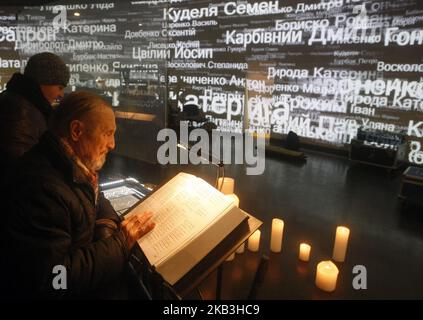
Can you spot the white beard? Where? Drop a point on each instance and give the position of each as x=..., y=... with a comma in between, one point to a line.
x=96, y=165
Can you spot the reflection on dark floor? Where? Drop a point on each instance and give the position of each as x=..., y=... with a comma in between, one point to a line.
x=313, y=199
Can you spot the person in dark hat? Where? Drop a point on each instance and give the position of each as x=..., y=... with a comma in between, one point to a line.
x=26, y=104
x=25, y=107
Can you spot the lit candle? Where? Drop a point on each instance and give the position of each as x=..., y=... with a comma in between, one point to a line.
x=276, y=237
x=228, y=185
x=233, y=198
x=326, y=276
x=341, y=242
x=241, y=248
x=254, y=241
x=231, y=257
x=304, y=252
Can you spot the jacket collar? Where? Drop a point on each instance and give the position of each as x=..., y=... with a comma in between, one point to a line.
x=31, y=91
x=52, y=147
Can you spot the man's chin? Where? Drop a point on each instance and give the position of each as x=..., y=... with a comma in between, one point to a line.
x=98, y=164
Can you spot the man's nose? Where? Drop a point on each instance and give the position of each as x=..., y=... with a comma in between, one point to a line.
x=111, y=143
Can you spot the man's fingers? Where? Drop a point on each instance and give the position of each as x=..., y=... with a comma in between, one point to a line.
x=129, y=220
x=146, y=228
x=137, y=226
x=150, y=226
x=143, y=218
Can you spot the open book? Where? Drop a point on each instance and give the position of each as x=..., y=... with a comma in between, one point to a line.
x=192, y=218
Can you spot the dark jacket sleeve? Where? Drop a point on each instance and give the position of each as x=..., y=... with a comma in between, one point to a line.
x=105, y=209
x=40, y=230
x=107, y=220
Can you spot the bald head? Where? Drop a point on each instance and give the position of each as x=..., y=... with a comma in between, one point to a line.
x=87, y=122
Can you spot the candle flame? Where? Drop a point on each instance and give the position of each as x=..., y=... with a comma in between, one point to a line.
x=343, y=229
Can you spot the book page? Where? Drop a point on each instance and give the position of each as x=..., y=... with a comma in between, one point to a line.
x=181, y=209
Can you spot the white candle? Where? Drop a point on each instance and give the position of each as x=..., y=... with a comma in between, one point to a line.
x=341, y=242
x=254, y=241
x=304, y=252
x=326, y=276
x=233, y=198
x=276, y=236
x=241, y=248
x=231, y=257
x=228, y=185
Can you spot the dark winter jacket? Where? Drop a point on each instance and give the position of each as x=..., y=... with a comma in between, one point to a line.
x=52, y=216
x=23, y=112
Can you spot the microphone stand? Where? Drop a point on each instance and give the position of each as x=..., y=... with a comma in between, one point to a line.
x=219, y=164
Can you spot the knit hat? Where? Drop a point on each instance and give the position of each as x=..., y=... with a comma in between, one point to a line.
x=47, y=68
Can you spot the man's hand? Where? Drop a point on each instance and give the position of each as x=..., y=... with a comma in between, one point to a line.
x=137, y=226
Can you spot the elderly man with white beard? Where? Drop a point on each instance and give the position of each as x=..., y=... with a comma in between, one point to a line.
x=57, y=220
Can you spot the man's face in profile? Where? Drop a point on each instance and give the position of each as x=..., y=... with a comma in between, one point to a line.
x=52, y=92
x=98, y=138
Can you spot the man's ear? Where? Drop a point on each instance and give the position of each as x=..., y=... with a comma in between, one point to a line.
x=76, y=129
